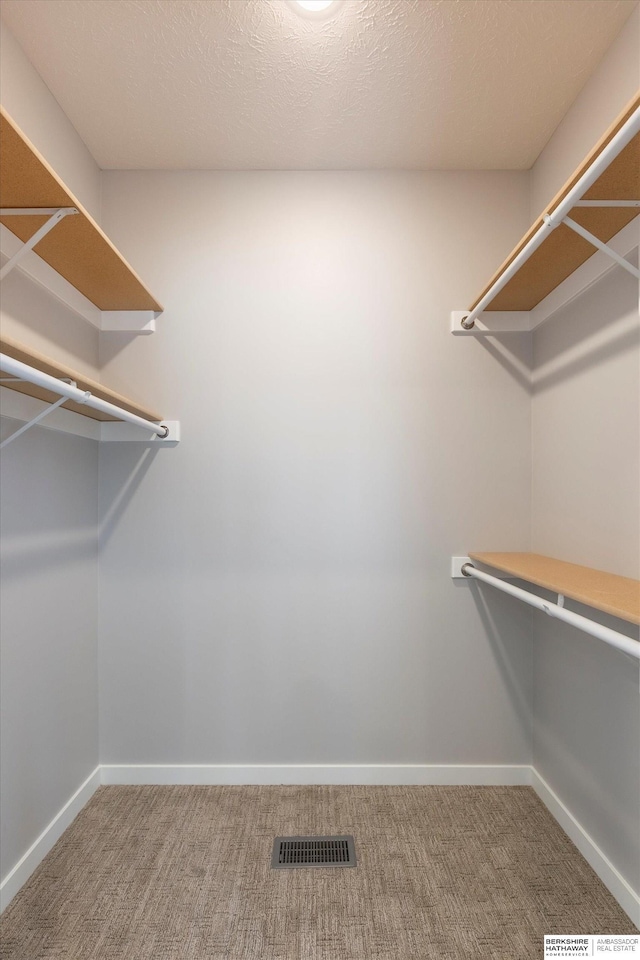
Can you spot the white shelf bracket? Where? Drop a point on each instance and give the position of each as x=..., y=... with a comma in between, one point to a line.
x=580, y=230
x=34, y=420
x=56, y=214
x=142, y=322
x=32, y=423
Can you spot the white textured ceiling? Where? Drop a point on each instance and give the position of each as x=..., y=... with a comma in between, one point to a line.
x=249, y=84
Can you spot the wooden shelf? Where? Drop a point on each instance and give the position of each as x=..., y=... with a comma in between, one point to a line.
x=618, y=596
x=55, y=369
x=563, y=251
x=76, y=248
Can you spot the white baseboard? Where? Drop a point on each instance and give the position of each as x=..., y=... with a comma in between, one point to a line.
x=628, y=899
x=366, y=774
x=41, y=847
x=310, y=773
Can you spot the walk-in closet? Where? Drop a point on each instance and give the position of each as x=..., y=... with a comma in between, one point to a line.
x=319, y=479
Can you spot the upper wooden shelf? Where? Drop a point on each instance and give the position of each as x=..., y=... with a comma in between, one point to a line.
x=618, y=596
x=76, y=248
x=34, y=359
x=563, y=250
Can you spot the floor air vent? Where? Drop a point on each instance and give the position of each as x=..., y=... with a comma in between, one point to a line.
x=290, y=852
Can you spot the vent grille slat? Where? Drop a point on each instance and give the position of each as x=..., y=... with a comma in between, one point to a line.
x=291, y=852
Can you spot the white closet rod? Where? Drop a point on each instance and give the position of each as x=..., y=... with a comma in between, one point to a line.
x=625, y=134
x=24, y=372
x=612, y=637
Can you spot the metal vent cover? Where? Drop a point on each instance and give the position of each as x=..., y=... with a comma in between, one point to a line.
x=291, y=852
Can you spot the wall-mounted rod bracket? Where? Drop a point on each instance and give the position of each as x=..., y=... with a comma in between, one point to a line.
x=490, y=323
x=580, y=230
x=113, y=432
x=457, y=563
x=55, y=216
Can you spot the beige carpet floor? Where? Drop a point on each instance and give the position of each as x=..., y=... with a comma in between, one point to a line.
x=183, y=873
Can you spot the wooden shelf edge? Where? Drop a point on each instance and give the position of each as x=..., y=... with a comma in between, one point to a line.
x=152, y=303
x=607, y=592
x=55, y=369
x=573, y=238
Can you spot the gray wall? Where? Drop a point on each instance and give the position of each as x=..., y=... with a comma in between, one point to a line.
x=48, y=625
x=586, y=478
x=49, y=508
x=277, y=589
x=585, y=503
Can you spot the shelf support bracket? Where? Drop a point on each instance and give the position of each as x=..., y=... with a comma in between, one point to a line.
x=580, y=230
x=33, y=422
x=56, y=215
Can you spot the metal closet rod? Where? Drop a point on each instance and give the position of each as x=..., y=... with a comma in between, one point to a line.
x=616, y=145
x=612, y=637
x=24, y=372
